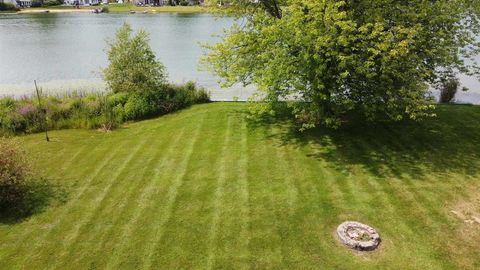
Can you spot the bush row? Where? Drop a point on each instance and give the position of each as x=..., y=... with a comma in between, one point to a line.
x=8, y=7
x=96, y=110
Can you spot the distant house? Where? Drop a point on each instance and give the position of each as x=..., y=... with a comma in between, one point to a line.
x=82, y=2
x=151, y=2
x=18, y=3
x=24, y=3
x=164, y=2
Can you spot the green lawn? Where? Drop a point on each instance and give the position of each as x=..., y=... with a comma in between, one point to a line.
x=206, y=188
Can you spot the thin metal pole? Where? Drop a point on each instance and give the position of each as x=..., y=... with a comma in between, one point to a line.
x=43, y=110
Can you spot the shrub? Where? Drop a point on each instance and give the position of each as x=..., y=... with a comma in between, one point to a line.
x=95, y=110
x=133, y=67
x=104, y=9
x=52, y=3
x=29, y=117
x=118, y=99
x=14, y=173
x=203, y=96
x=449, y=88
x=10, y=120
x=137, y=107
x=21, y=193
x=8, y=7
x=36, y=3
x=184, y=95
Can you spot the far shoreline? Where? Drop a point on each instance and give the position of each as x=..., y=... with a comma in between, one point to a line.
x=114, y=8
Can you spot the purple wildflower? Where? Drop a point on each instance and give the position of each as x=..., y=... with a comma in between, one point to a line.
x=26, y=109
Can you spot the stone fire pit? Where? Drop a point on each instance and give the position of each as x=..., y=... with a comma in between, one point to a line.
x=358, y=236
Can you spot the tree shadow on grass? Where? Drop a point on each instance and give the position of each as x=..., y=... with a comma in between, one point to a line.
x=38, y=195
x=449, y=143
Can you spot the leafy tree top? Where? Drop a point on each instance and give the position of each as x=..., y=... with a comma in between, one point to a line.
x=133, y=66
x=330, y=57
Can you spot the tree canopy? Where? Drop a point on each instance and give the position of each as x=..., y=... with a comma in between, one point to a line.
x=326, y=58
x=133, y=66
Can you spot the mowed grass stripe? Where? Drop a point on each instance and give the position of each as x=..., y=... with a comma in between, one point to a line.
x=265, y=241
x=422, y=210
x=145, y=196
x=243, y=252
x=66, y=163
x=186, y=232
x=86, y=210
x=113, y=238
x=85, y=184
x=312, y=211
x=407, y=227
x=230, y=248
x=154, y=204
x=181, y=170
x=283, y=196
x=218, y=195
x=120, y=191
x=33, y=234
x=44, y=157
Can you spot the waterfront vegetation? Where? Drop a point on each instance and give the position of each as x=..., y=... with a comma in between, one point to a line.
x=7, y=7
x=93, y=110
x=137, y=89
x=208, y=188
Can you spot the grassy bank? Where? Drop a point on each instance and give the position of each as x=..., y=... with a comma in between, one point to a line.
x=205, y=188
x=119, y=8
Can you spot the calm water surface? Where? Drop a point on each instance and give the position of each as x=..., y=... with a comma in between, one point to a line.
x=67, y=51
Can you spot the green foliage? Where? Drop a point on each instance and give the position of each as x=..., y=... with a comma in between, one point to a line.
x=36, y=3
x=137, y=106
x=105, y=9
x=448, y=90
x=118, y=98
x=328, y=58
x=95, y=111
x=21, y=192
x=14, y=173
x=202, y=96
x=52, y=3
x=133, y=66
x=8, y=7
x=172, y=98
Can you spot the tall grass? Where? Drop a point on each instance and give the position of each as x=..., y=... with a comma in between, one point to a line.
x=93, y=110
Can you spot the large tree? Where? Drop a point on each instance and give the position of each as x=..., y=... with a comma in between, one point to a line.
x=326, y=58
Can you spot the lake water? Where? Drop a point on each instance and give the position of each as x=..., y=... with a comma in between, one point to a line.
x=67, y=51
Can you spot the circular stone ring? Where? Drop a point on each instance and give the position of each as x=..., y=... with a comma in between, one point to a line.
x=358, y=236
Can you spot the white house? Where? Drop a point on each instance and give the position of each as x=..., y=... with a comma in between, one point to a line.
x=151, y=2
x=163, y=2
x=24, y=3
x=82, y=2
